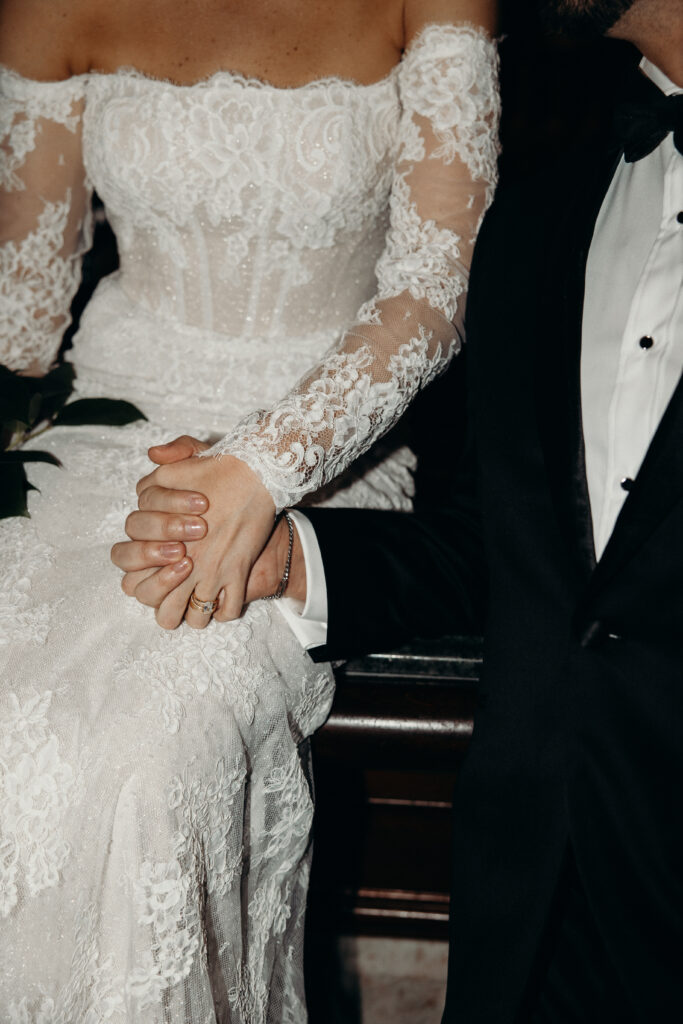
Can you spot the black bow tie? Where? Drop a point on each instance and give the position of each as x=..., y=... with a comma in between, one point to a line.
x=641, y=125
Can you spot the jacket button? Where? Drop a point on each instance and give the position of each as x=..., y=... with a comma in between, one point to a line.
x=626, y=484
x=646, y=341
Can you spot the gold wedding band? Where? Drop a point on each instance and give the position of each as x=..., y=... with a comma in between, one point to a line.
x=204, y=607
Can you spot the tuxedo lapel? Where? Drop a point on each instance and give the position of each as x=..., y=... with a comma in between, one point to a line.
x=656, y=489
x=558, y=363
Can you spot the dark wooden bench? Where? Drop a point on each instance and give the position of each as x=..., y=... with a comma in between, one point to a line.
x=385, y=767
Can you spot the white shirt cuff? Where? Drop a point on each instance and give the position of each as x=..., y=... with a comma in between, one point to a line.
x=308, y=621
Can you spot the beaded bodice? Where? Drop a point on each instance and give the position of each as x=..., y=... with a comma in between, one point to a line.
x=237, y=207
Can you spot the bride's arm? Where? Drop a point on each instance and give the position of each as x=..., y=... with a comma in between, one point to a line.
x=444, y=180
x=44, y=209
x=404, y=337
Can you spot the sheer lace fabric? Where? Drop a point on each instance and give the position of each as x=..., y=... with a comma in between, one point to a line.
x=44, y=220
x=443, y=181
x=155, y=800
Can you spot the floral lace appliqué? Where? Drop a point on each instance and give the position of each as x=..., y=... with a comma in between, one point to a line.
x=42, y=239
x=168, y=895
x=215, y=663
x=35, y=791
x=35, y=281
x=23, y=618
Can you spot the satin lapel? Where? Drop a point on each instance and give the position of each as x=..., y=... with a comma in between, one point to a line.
x=558, y=364
x=656, y=489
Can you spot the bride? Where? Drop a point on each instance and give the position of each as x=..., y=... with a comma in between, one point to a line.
x=295, y=190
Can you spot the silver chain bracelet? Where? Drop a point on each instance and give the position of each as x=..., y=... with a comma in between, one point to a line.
x=282, y=585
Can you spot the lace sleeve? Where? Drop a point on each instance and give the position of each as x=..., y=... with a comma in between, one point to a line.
x=44, y=215
x=444, y=181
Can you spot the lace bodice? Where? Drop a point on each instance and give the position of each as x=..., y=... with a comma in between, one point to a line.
x=333, y=221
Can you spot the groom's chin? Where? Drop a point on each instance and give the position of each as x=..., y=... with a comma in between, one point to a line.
x=583, y=19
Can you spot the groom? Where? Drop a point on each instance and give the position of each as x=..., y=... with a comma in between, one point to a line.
x=565, y=522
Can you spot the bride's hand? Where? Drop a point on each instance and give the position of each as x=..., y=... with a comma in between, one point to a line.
x=154, y=561
x=240, y=519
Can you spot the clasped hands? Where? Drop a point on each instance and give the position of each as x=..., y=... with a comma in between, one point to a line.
x=204, y=527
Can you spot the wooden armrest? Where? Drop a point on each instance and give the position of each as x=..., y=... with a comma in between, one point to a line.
x=412, y=706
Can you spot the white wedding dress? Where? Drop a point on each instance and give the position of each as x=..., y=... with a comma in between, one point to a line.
x=155, y=797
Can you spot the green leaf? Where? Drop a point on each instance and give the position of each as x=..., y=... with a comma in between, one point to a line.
x=14, y=486
x=55, y=389
x=58, y=380
x=34, y=408
x=7, y=380
x=19, y=456
x=30, y=400
x=10, y=431
x=17, y=398
x=106, y=411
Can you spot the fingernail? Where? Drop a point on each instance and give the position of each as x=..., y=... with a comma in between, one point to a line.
x=181, y=567
x=194, y=529
x=169, y=550
x=197, y=503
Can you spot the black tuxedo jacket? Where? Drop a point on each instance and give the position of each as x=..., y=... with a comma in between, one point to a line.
x=578, y=734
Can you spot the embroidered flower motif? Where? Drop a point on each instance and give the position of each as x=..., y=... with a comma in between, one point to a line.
x=168, y=902
x=270, y=907
x=22, y=113
x=314, y=703
x=35, y=281
x=214, y=663
x=35, y=789
x=208, y=810
x=288, y=834
x=452, y=82
x=23, y=556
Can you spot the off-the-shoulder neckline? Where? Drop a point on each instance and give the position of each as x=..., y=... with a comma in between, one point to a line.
x=251, y=81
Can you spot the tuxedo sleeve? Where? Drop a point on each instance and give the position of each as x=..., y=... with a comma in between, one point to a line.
x=395, y=576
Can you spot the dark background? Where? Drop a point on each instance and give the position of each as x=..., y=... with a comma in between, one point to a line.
x=557, y=93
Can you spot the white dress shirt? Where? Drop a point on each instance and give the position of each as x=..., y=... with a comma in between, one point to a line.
x=632, y=347
x=632, y=341
x=308, y=621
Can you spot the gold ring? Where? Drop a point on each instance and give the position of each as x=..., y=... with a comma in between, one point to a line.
x=204, y=607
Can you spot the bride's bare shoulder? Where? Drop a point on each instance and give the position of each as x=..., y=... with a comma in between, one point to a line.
x=418, y=13
x=46, y=39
